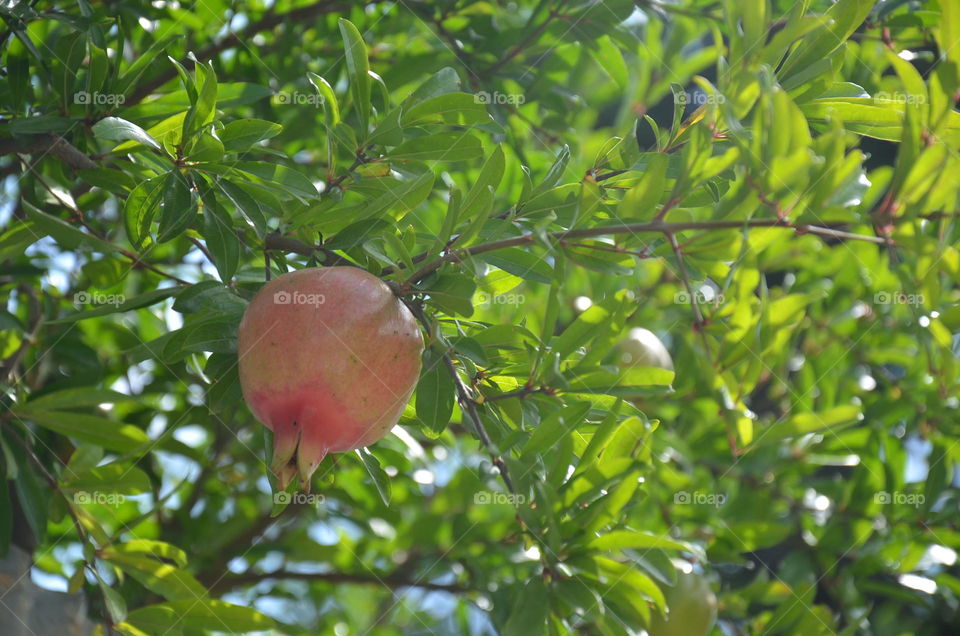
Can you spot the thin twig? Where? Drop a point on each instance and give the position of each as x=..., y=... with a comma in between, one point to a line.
x=631, y=228
x=390, y=581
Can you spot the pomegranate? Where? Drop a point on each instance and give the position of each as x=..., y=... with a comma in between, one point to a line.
x=692, y=604
x=328, y=359
x=642, y=348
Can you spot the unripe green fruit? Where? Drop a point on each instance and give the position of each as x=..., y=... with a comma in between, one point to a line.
x=642, y=348
x=328, y=360
x=693, y=608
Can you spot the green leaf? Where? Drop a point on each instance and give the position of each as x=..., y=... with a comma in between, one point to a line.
x=164, y=579
x=116, y=129
x=112, y=478
x=358, y=69
x=452, y=293
x=32, y=495
x=199, y=614
x=283, y=178
x=205, y=148
x=446, y=80
x=240, y=135
x=844, y=17
x=6, y=521
x=206, y=105
x=380, y=479
x=141, y=208
x=88, y=428
x=635, y=540
x=521, y=263
x=555, y=174
x=578, y=333
x=555, y=427
x=435, y=393
x=179, y=207
x=328, y=100
x=67, y=235
x=833, y=419
x=116, y=606
x=639, y=203
x=222, y=240
x=446, y=146
x=450, y=108
x=529, y=614
x=115, y=181
x=143, y=300
x=72, y=398
x=150, y=548
x=356, y=233
x=624, y=575
x=246, y=204
x=39, y=124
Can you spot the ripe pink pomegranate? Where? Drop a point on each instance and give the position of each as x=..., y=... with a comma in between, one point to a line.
x=328, y=359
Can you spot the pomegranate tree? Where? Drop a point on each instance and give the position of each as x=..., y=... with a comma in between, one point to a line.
x=328, y=359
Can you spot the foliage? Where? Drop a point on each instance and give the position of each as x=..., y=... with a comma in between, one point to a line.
x=769, y=186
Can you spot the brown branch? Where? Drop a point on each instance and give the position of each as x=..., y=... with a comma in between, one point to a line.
x=518, y=48
x=234, y=39
x=9, y=367
x=467, y=404
x=54, y=145
x=523, y=393
x=390, y=581
x=632, y=228
x=295, y=246
x=279, y=243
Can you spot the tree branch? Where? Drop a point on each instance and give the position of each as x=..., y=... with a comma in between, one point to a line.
x=49, y=144
x=634, y=228
x=390, y=581
x=467, y=404
x=233, y=39
x=295, y=246
x=276, y=242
